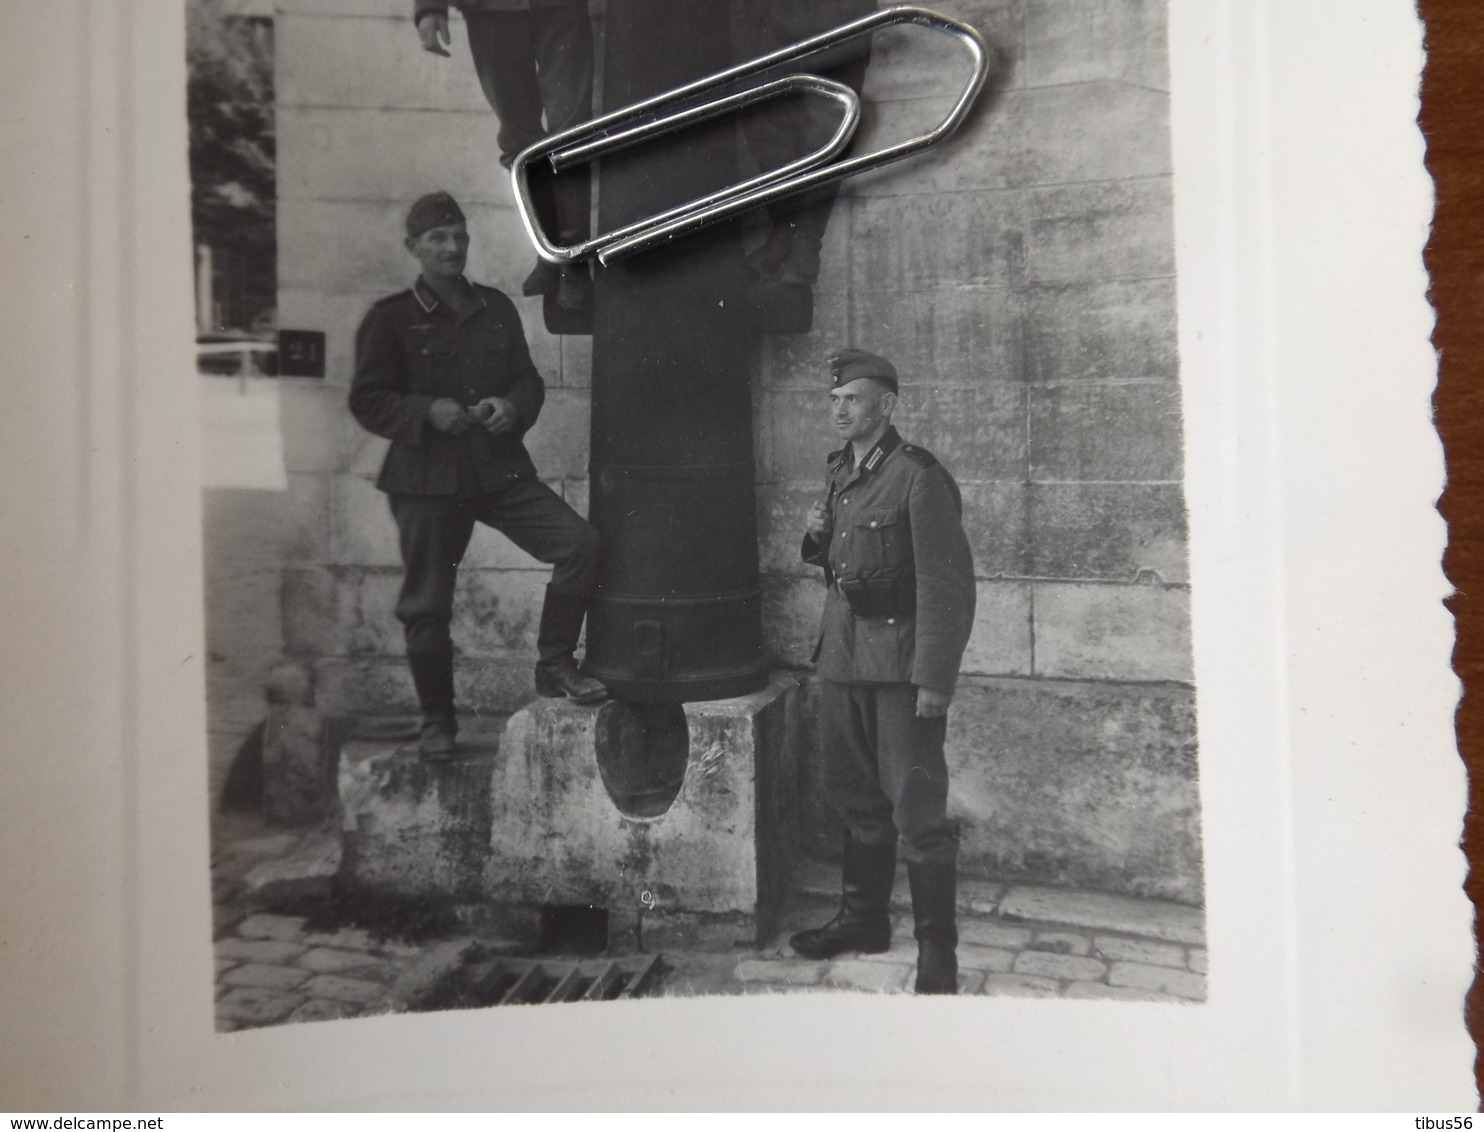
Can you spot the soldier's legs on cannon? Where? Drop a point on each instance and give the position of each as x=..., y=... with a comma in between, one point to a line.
x=790, y=255
x=564, y=72
x=433, y=533
x=541, y=523
x=847, y=730
x=914, y=776
x=536, y=69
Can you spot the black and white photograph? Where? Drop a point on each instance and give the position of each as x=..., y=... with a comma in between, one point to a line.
x=602, y=555
x=797, y=604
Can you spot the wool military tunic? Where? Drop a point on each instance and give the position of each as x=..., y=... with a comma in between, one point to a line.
x=412, y=350
x=895, y=541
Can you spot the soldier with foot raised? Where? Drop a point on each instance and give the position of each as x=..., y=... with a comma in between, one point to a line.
x=444, y=373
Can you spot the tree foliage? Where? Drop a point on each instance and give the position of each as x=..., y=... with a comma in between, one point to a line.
x=230, y=106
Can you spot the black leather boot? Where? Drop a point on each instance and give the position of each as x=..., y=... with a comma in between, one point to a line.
x=432, y=676
x=800, y=267
x=862, y=924
x=765, y=262
x=574, y=289
x=436, y=739
x=556, y=672
x=934, y=912
x=543, y=279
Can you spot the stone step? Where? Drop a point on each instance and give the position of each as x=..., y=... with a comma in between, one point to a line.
x=306, y=870
x=411, y=827
x=822, y=879
x=1034, y=904
x=1152, y=919
x=476, y=729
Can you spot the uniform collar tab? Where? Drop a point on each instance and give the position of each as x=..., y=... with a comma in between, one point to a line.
x=426, y=297
x=890, y=439
x=429, y=300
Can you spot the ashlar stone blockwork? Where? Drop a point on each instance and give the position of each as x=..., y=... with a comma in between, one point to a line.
x=1021, y=276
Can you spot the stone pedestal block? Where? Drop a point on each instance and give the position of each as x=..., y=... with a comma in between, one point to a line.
x=568, y=808
x=723, y=847
x=413, y=831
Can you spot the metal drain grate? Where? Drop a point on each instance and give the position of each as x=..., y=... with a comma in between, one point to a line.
x=512, y=982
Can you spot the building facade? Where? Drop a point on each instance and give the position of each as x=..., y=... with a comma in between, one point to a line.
x=1022, y=279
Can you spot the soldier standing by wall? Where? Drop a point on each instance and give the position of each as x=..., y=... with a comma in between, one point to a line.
x=444, y=373
x=535, y=60
x=897, y=617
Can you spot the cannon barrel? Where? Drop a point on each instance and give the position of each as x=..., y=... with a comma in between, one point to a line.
x=677, y=615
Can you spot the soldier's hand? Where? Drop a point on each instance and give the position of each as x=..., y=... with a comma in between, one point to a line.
x=496, y=414
x=447, y=415
x=931, y=703
x=818, y=520
x=432, y=29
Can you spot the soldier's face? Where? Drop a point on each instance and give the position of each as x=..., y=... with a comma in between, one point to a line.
x=442, y=251
x=860, y=407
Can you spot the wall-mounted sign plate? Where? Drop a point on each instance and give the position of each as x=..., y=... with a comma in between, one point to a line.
x=301, y=353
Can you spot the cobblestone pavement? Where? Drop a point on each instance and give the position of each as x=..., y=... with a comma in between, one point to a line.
x=273, y=968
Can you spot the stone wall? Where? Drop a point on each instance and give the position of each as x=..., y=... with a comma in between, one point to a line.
x=1021, y=277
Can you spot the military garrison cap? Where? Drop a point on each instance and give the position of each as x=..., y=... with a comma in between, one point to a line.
x=432, y=211
x=852, y=364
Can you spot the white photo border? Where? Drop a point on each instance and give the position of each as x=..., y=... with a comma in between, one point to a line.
x=1340, y=937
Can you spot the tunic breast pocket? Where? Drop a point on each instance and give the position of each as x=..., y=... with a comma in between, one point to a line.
x=427, y=348
x=492, y=335
x=427, y=340
x=489, y=342
x=883, y=541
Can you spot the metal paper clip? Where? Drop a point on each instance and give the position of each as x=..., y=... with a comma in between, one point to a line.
x=659, y=115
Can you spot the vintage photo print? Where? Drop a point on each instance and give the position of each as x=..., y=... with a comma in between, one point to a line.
x=799, y=606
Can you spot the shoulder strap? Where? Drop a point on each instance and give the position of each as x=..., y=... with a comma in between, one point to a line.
x=919, y=456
